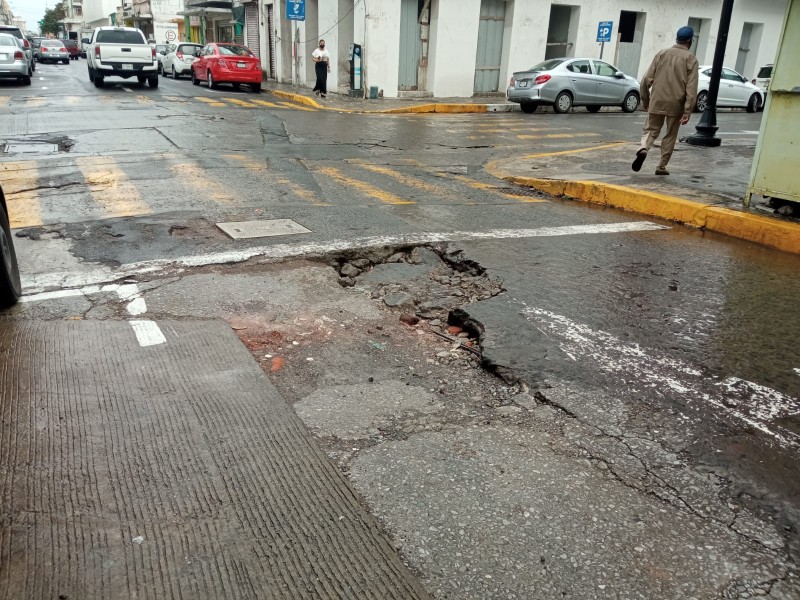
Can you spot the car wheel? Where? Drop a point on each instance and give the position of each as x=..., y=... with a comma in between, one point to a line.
x=702, y=101
x=153, y=81
x=754, y=103
x=256, y=87
x=563, y=103
x=10, y=285
x=175, y=73
x=528, y=107
x=593, y=108
x=195, y=80
x=91, y=75
x=26, y=80
x=211, y=83
x=65, y=61
x=141, y=79
x=236, y=86
x=98, y=80
x=631, y=102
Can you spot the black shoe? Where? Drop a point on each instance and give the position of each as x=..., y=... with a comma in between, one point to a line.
x=639, y=161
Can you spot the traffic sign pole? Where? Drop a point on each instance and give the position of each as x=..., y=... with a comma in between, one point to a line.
x=602, y=47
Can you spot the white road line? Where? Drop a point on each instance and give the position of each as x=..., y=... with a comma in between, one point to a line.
x=127, y=89
x=656, y=373
x=137, y=307
x=148, y=333
x=797, y=371
x=278, y=252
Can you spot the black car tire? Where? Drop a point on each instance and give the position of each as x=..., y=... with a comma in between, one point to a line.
x=256, y=87
x=754, y=103
x=528, y=107
x=98, y=80
x=65, y=61
x=10, y=285
x=702, y=100
x=153, y=81
x=594, y=108
x=627, y=105
x=212, y=85
x=175, y=73
x=26, y=80
x=91, y=75
x=563, y=103
x=195, y=80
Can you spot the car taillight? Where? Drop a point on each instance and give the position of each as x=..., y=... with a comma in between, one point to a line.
x=223, y=63
x=97, y=52
x=63, y=49
x=18, y=55
x=154, y=53
x=512, y=82
x=27, y=43
x=541, y=79
x=179, y=55
x=753, y=82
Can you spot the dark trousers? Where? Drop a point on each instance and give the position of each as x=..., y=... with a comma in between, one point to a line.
x=321, y=69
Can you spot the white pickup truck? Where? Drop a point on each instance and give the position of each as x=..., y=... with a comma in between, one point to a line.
x=121, y=52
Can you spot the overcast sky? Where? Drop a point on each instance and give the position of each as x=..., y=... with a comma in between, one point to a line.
x=31, y=11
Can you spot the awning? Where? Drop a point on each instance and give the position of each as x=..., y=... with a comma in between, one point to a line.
x=193, y=12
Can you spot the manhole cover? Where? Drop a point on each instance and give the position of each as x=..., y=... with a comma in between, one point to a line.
x=31, y=148
x=256, y=229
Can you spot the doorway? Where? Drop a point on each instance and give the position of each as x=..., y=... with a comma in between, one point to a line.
x=629, y=47
x=562, y=31
x=748, y=49
x=410, y=44
x=490, y=46
x=700, y=42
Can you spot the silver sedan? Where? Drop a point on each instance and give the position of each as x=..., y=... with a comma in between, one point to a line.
x=13, y=62
x=567, y=82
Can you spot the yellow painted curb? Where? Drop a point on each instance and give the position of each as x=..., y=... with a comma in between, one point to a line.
x=299, y=98
x=438, y=108
x=774, y=233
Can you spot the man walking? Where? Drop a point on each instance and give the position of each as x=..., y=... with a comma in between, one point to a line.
x=669, y=93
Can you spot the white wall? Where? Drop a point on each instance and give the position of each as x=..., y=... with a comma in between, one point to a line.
x=97, y=10
x=453, y=47
x=382, y=45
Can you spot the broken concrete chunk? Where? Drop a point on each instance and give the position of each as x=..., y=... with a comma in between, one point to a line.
x=348, y=270
x=409, y=319
x=424, y=256
x=396, y=258
x=360, y=263
x=347, y=281
x=398, y=299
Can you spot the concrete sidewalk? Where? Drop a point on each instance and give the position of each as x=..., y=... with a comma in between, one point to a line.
x=704, y=190
x=341, y=103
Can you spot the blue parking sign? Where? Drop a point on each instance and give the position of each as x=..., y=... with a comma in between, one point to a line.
x=296, y=10
x=604, y=31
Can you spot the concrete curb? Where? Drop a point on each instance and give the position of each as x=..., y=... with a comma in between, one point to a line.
x=433, y=107
x=774, y=233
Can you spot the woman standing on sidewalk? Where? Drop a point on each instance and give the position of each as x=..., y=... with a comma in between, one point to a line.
x=322, y=67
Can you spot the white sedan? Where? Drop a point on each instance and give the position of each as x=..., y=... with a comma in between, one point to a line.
x=734, y=91
x=179, y=59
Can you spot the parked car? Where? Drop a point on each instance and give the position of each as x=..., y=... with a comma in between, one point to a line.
x=161, y=51
x=568, y=82
x=53, y=51
x=734, y=91
x=121, y=52
x=72, y=49
x=178, y=60
x=10, y=285
x=227, y=63
x=26, y=45
x=762, y=79
x=13, y=62
x=34, y=42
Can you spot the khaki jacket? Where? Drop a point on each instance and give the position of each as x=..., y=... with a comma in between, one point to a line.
x=670, y=85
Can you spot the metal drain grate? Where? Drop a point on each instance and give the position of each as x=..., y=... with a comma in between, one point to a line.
x=31, y=148
x=256, y=229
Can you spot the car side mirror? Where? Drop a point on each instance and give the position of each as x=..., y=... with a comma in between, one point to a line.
x=619, y=75
x=84, y=40
x=197, y=53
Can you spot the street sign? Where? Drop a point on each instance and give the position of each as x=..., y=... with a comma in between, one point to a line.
x=604, y=31
x=296, y=10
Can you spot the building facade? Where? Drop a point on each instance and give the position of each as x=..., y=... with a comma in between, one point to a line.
x=462, y=48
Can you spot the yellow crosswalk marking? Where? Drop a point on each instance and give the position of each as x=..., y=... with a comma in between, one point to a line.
x=175, y=98
x=297, y=106
x=239, y=102
x=110, y=187
x=144, y=100
x=554, y=136
x=363, y=187
x=492, y=189
x=248, y=162
x=197, y=178
x=4, y=100
x=404, y=179
x=20, y=180
x=209, y=101
x=265, y=103
x=35, y=102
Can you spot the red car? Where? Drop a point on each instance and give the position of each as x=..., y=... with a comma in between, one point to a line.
x=72, y=48
x=227, y=63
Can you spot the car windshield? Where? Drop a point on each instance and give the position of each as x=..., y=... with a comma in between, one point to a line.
x=71, y=44
x=234, y=51
x=188, y=48
x=765, y=72
x=161, y=47
x=7, y=40
x=119, y=36
x=547, y=65
x=13, y=31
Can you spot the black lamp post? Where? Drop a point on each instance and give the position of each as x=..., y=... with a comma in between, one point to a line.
x=706, y=134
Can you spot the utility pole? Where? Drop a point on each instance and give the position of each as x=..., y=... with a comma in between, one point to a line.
x=706, y=134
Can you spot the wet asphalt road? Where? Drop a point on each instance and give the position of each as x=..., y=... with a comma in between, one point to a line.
x=692, y=329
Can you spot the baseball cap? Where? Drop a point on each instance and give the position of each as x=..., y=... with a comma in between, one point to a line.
x=685, y=34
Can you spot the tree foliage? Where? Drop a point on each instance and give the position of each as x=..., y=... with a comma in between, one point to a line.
x=50, y=23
